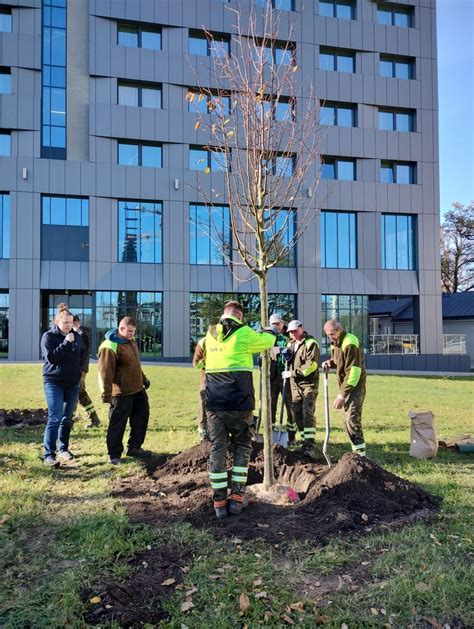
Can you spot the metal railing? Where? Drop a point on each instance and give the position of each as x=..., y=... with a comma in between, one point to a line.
x=392, y=344
x=454, y=344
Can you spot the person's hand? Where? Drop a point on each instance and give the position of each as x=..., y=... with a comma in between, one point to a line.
x=326, y=364
x=106, y=398
x=274, y=351
x=338, y=402
x=286, y=374
x=146, y=383
x=70, y=337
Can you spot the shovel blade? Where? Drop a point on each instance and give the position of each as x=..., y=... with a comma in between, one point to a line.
x=280, y=438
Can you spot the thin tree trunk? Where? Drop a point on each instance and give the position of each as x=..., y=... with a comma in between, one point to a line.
x=268, y=476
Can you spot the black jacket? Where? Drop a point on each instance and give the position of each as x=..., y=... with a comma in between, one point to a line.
x=85, y=335
x=62, y=360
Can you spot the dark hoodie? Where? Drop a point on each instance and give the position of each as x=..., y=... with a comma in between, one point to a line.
x=120, y=371
x=62, y=360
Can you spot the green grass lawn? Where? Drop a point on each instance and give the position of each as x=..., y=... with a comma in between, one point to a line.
x=62, y=530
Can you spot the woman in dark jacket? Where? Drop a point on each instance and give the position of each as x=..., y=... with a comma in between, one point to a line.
x=62, y=350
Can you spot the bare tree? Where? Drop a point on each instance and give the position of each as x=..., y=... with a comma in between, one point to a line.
x=260, y=120
x=457, y=249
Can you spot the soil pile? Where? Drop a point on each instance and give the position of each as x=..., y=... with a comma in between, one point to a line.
x=354, y=495
x=20, y=417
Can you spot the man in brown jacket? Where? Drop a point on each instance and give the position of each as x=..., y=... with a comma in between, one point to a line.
x=122, y=384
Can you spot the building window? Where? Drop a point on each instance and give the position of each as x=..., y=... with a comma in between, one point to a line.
x=338, y=115
x=279, y=165
x=65, y=229
x=338, y=168
x=338, y=240
x=281, y=228
x=145, y=307
x=396, y=119
x=351, y=311
x=209, y=234
x=398, y=241
x=216, y=46
x=392, y=15
x=281, y=109
x=335, y=60
x=4, y=225
x=397, y=172
x=80, y=303
x=5, y=81
x=207, y=159
x=4, y=316
x=5, y=21
x=206, y=309
x=282, y=5
x=53, y=134
x=5, y=144
x=337, y=8
x=140, y=232
x=140, y=154
x=139, y=94
x=137, y=36
x=207, y=102
x=276, y=53
x=396, y=67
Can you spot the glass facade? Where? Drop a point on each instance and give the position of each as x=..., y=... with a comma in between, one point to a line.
x=215, y=46
x=338, y=115
x=146, y=307
x=140, y=232
x=206, y=309
x=140, y=154
x=277, y=53
x=351, y=311
x=337, y=8
x=5, y=81
x=139, y=95
x=398, y=172
x=396, y=120
x=5, y=143
x=5, y=20
x=53, y=131
x=281, y=228
x=396, y=68
x=65, y=229
x=209, y=234
x=337, y=61
x=342, y=169
x=4, y=225
x=136, y=36
x=4, y=323
x=201, y=158
x=80, y=303
x=282, y=5
x=338, y=240
x=395, y=16
x=203, y=103
x=398, y=237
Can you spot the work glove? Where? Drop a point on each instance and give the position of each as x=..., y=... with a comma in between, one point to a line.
x=287, y=354
x=146, y=383
x=286, y=374
x=274, y=351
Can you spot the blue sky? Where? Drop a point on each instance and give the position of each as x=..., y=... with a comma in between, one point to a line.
x=456, y=100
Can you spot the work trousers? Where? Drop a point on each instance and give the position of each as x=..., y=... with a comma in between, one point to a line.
x=353, y=415
x=134, y=407
x=276, y=388
x=303, y=402
x=238, y=428
x=202, y=413
x=85, y=400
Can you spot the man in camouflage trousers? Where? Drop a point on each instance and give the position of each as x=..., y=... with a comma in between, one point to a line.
x=347, y=357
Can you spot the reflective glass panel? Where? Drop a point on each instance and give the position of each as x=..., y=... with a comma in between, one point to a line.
x=5, y=22
x=384, y=16
x=127, y=35
x=198, y=104
x=402, y=18
x=328, y=170
x=284, y=166
x=198, y=159
x=326, y=8
x=151, y=156
x=386, y=120
x=219, y=48
x=73, y=212
x=128, y=95
x=5, y=83
x=4, y=226
x=386, y=173
x=5, y=144
x=386, y=68
x=327, y=115
x=58, y=211
x=128, y=154
x=404, y=121
x=151, y=40
x=218, y=161
x=283, y=56
x=283, y=111
x=58, y=137
x=404, y=173
x=197, y=46
x=58, y=47
x=345, y=117
x=151, y=97
x=344, y=9
x=284, y=5
x=345, y=63
x=403, y=70
x=346, y=170
x=327, y=61
x=389, y=242
x=58, y=106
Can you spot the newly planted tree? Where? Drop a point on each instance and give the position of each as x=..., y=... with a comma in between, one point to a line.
x=258, y=122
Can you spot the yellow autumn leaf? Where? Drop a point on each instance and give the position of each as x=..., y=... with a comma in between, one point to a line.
x=207, y=170
x=168, y=582
x=190, y=96
x=197, y=125
x=201, y=97
x=244, y=602
x=95, y=600
x=230, y=134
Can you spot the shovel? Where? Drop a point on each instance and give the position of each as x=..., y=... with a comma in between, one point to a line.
x=326, y=408
x=258, y=437
x=280, y=437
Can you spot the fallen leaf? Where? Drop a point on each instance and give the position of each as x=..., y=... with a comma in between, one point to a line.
x=287, y=619
x=320, y=620
x=244, y=602
x=192, y=591
x=299, y=605
x=186, y=606
x=213, y=577
x=263, y=526
x=365, y=517
x=185, y=569
x=207, y=170
x=95, y=600
x=344, y=626
x=236, y=540
x=374, y=611
x=4, y=518
x=365, y=563
x=422, y=587
x=317, y=584
x=261, y=595
x=382, y=584
x=383, y=612
x=227, y=566
x=197, y=125
x=108, y=606
x=168, y=582
x=432, y=621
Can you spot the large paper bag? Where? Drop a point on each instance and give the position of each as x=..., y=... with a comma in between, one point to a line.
x=424, y=444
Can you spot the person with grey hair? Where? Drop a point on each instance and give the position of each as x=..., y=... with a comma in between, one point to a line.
x=347, y=358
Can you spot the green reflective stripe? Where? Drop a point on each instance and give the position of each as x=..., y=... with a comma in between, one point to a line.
x=228, y=369
x=350, y=339
x=361, y=446
x=217, y=475
x=88, y=407
x=291, y=427
x=309, y=433
x=242, y=470
x=108, y=345
x=219, y=485
x=311, y=369
x=239, y=479
x=354, y=376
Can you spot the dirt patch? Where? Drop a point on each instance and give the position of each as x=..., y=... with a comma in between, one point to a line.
x=22, y=417
x=156, y=573
x=354, y=495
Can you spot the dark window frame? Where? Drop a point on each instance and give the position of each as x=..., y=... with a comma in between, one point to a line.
x=393, y=165
x=353, y=244
x=395, y=10
x=394, y=59
x=335, y=53
x=335, y=162
x=394, y=112
x=193, y=238
x=209, y=156
x=335, y=4
x=157, y=30
x=159, y=213
x=201, y=36
x=411, y=247
x=140, y=85
x=140, y=146
x=337, y=105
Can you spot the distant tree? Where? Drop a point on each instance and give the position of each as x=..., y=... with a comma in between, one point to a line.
x=457, y=249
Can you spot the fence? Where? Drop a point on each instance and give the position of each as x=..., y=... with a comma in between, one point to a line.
x=454, y=344
x=394, y=344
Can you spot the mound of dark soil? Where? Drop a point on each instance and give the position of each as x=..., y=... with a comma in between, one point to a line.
x=354, y=495
x=21, y=417
x=155, y=576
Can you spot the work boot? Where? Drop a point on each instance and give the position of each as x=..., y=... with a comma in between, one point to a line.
x=115, y=460
x=220, y=508
x=50, y=461
x=309, y=451
x=237, y=502
x=138, y=453
x=66, y=455
x=94, y=421
x=291, y=440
